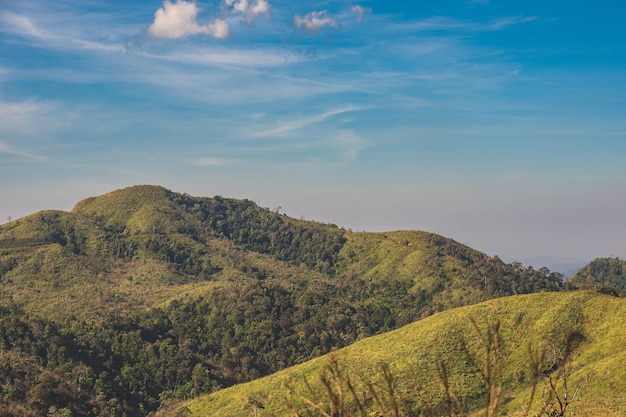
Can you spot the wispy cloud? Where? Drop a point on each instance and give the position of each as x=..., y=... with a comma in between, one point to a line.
x=348, y=144
x=228, y=85
x=21, y=25
x=178, y=20
x=314, y=21
x=7, y=149
x=444, y=23
x=213, y=161
x=25, y=27
x=23, y=116
x=360, y=11
x=294, y=125
x=230, y=56
x=504, y=22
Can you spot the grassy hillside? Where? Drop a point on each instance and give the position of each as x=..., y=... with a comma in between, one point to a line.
x=437, y=272
x=158, y=296
x=608, y=274
x=144, y=245
x=528, y=324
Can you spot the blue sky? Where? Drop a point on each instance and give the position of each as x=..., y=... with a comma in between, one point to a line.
x=500, y=124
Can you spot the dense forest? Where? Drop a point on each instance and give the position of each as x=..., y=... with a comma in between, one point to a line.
x=143, y=296
x=606, y=274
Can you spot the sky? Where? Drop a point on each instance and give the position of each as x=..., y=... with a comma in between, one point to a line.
x=500, y=124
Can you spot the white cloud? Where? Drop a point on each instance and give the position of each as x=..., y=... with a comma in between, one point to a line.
x=360, y=11
x=250, y=9
x=314, y=21
x=178, y=20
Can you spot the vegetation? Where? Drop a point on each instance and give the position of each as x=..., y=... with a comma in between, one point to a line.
x=532, y=355
x=603, y=274
x=143, y=297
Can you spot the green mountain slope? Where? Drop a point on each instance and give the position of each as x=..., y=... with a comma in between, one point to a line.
x=147, y=295
x=527, y=323
x=147, y=239
x=606, y=273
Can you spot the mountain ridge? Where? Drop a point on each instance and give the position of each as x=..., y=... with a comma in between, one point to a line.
x=220, y=287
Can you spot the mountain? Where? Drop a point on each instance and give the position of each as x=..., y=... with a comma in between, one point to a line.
x=541, y=339
x=144, y=296
x=606, y=273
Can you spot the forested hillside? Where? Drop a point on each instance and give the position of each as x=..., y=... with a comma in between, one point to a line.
x=500, y=357
x=143, y=296
x=608, y=274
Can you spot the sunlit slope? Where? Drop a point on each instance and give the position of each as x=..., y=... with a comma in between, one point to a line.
x=141, y=246
x=437, y=272
x=220, y=287
x=528, y=323
x=141, y=212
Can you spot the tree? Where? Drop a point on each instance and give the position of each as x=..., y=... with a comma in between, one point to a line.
x=551, y=365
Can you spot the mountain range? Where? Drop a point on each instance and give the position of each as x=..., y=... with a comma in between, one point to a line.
x=143, y=297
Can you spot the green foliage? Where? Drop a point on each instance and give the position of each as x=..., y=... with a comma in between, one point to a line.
x=606, y=275
x=414, y=354
x=153, y=296
x=481, y=364
x=434, y=273
x=37, y=372
x=156, y=220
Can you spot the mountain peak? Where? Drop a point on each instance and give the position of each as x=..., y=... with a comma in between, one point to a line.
x=120, y=205
x=133, y=194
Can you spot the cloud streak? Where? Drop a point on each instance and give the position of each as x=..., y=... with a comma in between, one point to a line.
x=21, y=25
x=25, y=27
x=221, y=56
x=213, y=162
x=24, y=116
x=5, y=148
x=294, y=125
x=443, y=23
x=179, y=20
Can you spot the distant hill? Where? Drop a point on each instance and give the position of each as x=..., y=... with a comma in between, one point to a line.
x=606, y=273
x=567, y=267
x=143, y=296
x=414, y=356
